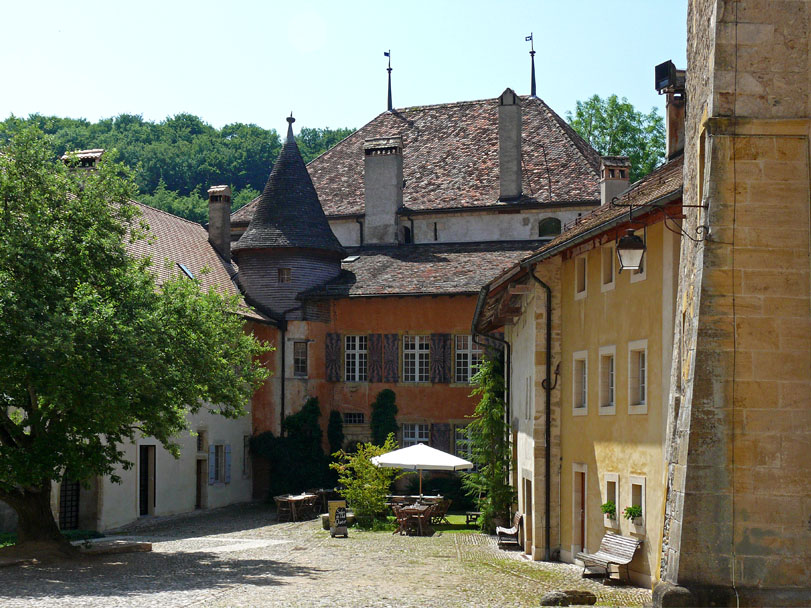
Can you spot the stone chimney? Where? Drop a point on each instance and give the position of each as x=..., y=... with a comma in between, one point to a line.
x=219, y=220
x=383, y=188
x=671, y=82
x=615, y=177
x=509, y=146
x=83, y=159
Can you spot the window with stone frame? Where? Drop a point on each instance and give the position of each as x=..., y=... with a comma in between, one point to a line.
x=580, y=383
x=414, y=433
x=580, y=283
x=638, y=377
x=468, y=358
x=355, y=358
x=300, y=359
x=608, y=361
x=416, y=359
x=285, y=275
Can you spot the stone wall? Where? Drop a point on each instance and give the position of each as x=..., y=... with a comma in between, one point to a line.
x=736, y=524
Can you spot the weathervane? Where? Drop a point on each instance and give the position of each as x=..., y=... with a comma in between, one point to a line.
x=388, y=54
x=532, y=55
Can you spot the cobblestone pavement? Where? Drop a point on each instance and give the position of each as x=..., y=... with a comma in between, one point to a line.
x=239, y=556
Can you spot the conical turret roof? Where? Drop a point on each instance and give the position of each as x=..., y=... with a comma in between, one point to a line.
x=288, y=214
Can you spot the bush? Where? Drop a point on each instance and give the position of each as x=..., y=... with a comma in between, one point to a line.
x=297, y=460
x=384, y=417
x=365, y=485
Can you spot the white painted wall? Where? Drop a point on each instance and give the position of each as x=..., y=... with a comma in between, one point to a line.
x=175, y=479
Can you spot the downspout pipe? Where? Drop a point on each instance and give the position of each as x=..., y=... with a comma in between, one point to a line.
x=547, y=384
x=360, y=229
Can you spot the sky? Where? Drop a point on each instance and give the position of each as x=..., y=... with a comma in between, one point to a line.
x=258, y=61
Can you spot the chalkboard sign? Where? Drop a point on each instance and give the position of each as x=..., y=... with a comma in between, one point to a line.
x=340, y=517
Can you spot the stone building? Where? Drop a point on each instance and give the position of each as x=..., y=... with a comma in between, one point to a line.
x=738, y=518
x=427, y=204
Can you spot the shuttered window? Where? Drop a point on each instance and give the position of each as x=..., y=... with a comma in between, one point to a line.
x=416, y=359
x=355, y=358
x=468, y=358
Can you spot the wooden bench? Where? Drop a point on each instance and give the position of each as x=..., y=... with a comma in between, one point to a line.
x=614, y=549
x=471, y=517
x=509, y=536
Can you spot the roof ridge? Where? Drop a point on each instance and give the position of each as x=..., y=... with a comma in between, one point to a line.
x=172, y=215
x=573, y=135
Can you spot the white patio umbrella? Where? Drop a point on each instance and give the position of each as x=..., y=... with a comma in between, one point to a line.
x=421, y=457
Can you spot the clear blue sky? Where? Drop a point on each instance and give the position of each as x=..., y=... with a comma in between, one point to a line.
x=256, y=61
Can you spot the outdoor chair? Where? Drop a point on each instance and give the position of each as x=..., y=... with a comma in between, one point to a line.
x=284, y=512
x=440, y=512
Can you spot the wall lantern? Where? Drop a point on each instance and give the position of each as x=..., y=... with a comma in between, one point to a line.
x=630, y=251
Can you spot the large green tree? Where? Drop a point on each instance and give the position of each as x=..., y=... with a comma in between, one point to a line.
x=93, y=353
x=615, y=128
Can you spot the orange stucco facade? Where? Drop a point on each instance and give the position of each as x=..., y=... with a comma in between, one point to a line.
x=418, y=402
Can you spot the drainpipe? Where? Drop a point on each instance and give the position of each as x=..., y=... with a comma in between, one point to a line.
x=547, y=384
x=360, y=229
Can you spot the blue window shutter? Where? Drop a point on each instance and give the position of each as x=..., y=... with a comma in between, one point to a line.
x=212, y=471
x=227, y=464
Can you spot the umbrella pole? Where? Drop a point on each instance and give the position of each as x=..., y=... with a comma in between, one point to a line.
x=420, y=483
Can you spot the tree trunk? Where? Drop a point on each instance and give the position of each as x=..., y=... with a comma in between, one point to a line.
x=35, y=520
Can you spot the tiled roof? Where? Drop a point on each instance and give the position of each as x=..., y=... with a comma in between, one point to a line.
x=180, y=241
x=666, y=180
x=450, y=159
x=288, y=213
x=408, y=270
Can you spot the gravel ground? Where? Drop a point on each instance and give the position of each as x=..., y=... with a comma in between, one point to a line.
x=240, y=556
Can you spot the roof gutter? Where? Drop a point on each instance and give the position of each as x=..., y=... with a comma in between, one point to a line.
x=620, y=219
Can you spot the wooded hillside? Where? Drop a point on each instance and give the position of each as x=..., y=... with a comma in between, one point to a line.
x=178, y=159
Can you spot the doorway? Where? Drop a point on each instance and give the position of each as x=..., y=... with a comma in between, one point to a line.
x=579, y=502
x=146, y=480
x=69, y=504
x=528, y=526
x=200, y=495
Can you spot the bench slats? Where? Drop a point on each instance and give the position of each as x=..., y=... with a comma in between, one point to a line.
x=614, y=549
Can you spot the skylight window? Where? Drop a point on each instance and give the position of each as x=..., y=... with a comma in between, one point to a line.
x=350, y=259
x=185, y=270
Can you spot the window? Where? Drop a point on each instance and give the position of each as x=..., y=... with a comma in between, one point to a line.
x=580, y=383
x=607, y=376
x=468, y=358
x=607, y=281
x=353, y=418
x=416, y=359
x=637, y=498
x=549, y=228
x=461, y=442
x=246, y=456
x=300, y=359
x=355, y=359
x=285, y=275
x=580, y=277
x=612, y=484
x=638, y=377
x=416, y=433
x=202, y=441
x=219, y=463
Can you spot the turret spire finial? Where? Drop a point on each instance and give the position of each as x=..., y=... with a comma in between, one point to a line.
x=290, y=121
x=388, y=54
x=532, y=55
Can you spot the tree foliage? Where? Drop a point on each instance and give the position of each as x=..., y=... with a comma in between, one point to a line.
x=335, y=431
x=297, y=460
x=176, y=160
x=92, y=354
x=365, y=484
x=384, y=416
x=488, y=434
x=614, y=128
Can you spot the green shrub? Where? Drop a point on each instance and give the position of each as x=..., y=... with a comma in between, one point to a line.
x=365, y=485
x=609, y=508
x=632, y=512
x=384, y=416
x=445, y=484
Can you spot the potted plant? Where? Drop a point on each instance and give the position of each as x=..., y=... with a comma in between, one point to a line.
x=609, y=509
x=633, y=513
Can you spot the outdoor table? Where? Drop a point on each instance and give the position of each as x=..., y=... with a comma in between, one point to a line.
x=418, y=513
x=298, y=503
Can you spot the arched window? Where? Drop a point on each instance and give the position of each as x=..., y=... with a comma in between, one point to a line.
x=549, y=228
x=405, y=235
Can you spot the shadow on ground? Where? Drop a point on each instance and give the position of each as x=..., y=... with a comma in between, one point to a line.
x=145, y=573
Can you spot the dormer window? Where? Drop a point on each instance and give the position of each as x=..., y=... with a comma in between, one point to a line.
x=285, y=275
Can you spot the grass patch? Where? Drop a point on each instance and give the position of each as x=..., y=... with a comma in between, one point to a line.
x=8, y=539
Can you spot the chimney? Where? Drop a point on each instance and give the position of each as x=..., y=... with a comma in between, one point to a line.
x=383, y=188
x=509, y=146
x=671, y=82
x=219, y=220
x=83, y=159
x=615, y=177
